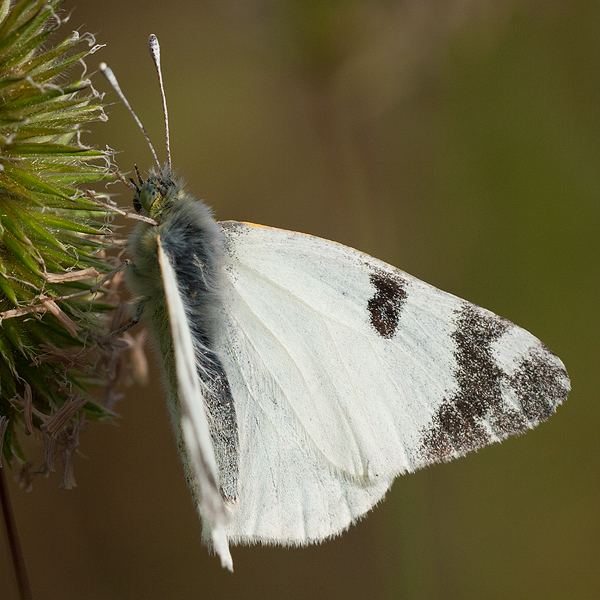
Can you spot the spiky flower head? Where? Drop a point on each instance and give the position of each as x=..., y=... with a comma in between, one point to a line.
x=53, y=238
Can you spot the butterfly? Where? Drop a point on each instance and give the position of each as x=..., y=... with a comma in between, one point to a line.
x=304, y=376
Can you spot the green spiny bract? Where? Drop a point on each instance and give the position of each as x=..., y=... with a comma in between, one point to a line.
x=52, y=238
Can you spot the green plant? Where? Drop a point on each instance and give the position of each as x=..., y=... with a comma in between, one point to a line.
x=53, y=242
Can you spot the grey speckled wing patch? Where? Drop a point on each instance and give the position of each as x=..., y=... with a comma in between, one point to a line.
x=385, y=306
x=490, y=404
x=223, y=426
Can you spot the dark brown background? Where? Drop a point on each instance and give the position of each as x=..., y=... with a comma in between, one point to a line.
x=457, y=140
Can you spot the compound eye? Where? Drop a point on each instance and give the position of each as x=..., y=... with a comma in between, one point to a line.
x=148, y=196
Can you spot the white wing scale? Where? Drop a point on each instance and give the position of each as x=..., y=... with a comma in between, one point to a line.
x=346, y=372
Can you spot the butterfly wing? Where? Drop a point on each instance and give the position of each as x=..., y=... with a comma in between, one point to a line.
x=346, y=372
x=192, y=430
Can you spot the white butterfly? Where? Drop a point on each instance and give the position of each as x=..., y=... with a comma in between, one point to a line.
x=304, y=376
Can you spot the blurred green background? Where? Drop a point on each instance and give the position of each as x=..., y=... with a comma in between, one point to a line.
x=458, y=140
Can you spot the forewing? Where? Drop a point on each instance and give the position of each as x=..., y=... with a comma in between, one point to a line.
x=346, y=372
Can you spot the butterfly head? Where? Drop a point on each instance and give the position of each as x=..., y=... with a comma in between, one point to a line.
x=154, y=195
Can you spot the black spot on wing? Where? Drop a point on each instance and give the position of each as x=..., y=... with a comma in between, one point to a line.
x=457, y=426
x=476, y=413
x=541, y=384
x=386, y=304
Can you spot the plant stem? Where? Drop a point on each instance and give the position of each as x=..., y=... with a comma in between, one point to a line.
x=13, y=540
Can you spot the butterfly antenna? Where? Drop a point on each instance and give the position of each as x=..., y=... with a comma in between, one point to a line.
x=139, y=175
x=110, y=76
x=154, y=48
